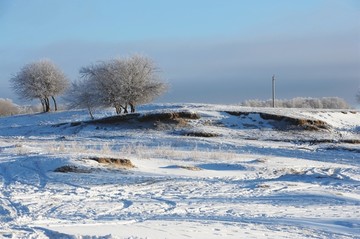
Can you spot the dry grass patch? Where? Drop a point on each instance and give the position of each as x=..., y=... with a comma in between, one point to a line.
x=290, y=171
x=171, y=117
x=187, y=167
x=263, y=186
x=114, y=162
x=295, y=123
x=165, y=117
x=71, y=169
x=115, y=119
x=350, y=141
x=168, y=120
x=283, y=122
x=191, y=168
x=261, y=160
x=201, y=134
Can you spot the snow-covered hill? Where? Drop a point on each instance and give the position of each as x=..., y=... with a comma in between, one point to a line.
x=201, y=171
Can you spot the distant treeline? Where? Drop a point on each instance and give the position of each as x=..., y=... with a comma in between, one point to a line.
x=301, y=102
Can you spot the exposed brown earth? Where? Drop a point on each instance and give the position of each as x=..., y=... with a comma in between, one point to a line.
x=286, y=122
x=152, y=119
x=71, y=169
x=168, y=116
x=200, y=134
x=115, y=162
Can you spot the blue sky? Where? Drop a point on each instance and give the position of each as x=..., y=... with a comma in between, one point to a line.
x=209, y=51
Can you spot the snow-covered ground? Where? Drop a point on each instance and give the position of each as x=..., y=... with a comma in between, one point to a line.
x=256, y=178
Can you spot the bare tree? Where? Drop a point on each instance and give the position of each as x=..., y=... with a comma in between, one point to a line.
x=40, y=80
x=83, y=94
x=124, y=82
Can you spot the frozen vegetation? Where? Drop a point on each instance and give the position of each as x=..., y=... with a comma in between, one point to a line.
x=7, y=107
x=302, y=102
x=181, y=171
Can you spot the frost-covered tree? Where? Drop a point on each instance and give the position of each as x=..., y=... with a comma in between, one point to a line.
x=105, y=79
x=7, y=107
x=40, y=80
x=124, y=82
x=83, y=94
x=141, y=83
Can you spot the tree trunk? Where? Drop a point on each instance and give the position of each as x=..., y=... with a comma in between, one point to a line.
x=125, y=109
x=47, y=104
x=90, y=113
x=55, y=105
x=43, y=104
x=118, y=110
x=132, y=107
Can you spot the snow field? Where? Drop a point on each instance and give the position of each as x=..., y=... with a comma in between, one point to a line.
x=252, y=181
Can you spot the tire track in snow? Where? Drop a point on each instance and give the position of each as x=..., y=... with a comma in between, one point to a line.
x=6, y=175
x=9, y=209
x=39, y=172
x=171, y=204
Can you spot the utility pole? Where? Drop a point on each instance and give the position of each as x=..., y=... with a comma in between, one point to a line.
x=273, y=91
